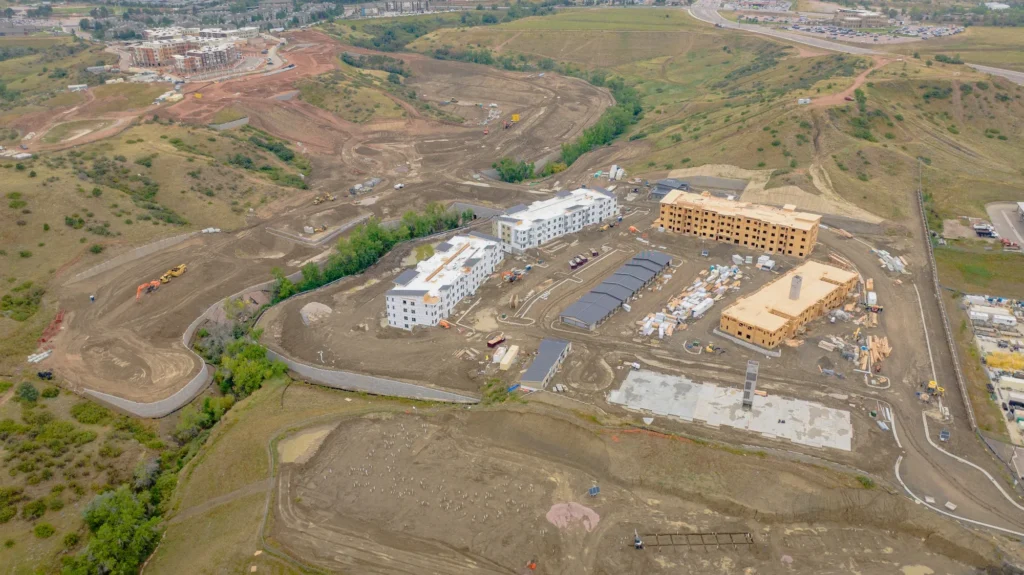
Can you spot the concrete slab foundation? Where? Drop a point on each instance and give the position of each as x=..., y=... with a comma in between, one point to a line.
x=799, y=421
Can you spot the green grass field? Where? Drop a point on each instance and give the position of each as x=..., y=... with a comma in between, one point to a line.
x=971, y=269
x=986, y=45
x=618, y=19
x=119, y=97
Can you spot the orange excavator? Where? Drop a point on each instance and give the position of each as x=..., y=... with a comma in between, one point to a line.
x=148, y=287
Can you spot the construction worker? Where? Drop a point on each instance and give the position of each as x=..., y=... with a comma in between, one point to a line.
x=638, y=543
x=92, y=298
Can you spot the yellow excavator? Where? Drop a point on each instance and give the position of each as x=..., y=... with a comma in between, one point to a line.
x=934, y=389
x=174, y=272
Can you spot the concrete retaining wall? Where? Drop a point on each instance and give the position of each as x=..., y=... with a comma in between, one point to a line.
x=232, y=124
x=369, y=384
x=942, y=309
x=131, y=256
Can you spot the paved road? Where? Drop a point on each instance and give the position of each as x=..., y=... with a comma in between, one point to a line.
x=707, y=11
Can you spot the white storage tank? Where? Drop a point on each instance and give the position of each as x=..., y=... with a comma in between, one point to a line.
x=872, y=298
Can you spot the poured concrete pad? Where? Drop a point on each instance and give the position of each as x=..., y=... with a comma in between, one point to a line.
x=799, y=421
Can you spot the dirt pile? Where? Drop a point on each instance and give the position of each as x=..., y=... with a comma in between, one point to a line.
x=313, y=312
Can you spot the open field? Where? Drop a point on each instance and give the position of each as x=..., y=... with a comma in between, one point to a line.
x=73, y=130
x=986, y=45
x=976, y=271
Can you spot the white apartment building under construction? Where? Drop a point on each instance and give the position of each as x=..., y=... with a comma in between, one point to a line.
x=426, y=294
x=523, y=227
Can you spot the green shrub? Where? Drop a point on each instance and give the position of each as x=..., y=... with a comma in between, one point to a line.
x=97, y=249
x=33, y=510
x=90, y=413
x=51, y=392
x=44, y=530
x=27, y=393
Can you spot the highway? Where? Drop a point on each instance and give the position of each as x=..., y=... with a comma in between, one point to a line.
x=707, y=11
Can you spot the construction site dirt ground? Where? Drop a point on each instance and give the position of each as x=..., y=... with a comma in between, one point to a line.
x=351, y=336
x=490, y=490
x=134, y=350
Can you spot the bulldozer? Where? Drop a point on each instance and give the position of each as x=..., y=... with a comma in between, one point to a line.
x=148, y=287
x=174, y=272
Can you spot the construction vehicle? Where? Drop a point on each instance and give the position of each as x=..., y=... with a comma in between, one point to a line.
x=486, y=131
x=935, y=389
x=515, y=118
x=711, y=348
x=319, y=229
x=1008, y=245
x=148, y=287
x=633, y=230
x=174, y=272
x=444, y=324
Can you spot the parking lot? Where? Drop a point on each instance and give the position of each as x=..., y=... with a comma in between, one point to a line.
x=1005, y=217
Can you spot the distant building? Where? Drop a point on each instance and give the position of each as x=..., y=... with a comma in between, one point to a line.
x=426, y=294
x=775, y=312
x=997, y=6
x=765, y=228
x=663, y=187
x=851, y=18
x=78, y=87
x=523, y=227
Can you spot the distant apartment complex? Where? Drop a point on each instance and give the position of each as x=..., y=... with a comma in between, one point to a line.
x=426, y=294
x=523, y=227
x=778, y=310
x=773, y=230
x=190, y=50
x=851, y=18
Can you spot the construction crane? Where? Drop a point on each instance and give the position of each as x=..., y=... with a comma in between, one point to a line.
x=148, y=287
x=173, y=273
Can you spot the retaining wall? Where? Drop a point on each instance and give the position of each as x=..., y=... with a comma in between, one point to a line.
x=131, y=256
x=747, y=344
x=942, y=313
x=232, y=124
x=358, y=382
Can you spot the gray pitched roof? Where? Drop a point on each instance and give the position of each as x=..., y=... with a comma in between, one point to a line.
x=472, y=262
x=603, y=191
x=547, y=356
x=443, y=247
x=600, y=302
x=516, y=208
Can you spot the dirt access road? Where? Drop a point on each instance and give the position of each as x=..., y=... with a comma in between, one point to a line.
x=133, y=349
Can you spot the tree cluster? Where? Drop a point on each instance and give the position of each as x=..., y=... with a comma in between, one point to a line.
x=366, y=244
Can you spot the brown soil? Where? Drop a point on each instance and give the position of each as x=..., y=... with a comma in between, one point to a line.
x=134, y=350
x=486, y=491
x=840, y=98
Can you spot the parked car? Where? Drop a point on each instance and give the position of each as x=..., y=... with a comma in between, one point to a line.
x=1006, y=407
x=944, y=435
